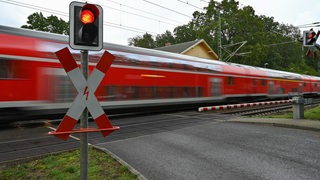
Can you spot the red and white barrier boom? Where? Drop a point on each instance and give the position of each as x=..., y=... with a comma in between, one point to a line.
x=85, y=97
x=232, y=106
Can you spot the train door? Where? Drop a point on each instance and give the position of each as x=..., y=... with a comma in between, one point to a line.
x=271, y=87
x=300, y=87
x=215, y=87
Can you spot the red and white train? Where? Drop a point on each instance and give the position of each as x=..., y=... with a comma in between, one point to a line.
x=33, y=82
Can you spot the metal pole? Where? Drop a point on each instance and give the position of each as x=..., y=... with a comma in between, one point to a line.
x=84, y=123
x=219, y=40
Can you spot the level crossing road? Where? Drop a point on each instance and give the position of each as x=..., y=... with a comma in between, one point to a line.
x=188, y=145
x=31, y=141
x=211, y=148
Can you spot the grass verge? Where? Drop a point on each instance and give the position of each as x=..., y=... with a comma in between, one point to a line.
x=67, y=166
x=313, y=114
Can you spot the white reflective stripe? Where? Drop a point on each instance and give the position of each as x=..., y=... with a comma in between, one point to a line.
x=86, y=90
x=95, y=78
x=94, y=106
x=77, y=80
x=76, y=108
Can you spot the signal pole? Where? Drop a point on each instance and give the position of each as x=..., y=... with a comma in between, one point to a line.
x=86, y=26
x=84, y=123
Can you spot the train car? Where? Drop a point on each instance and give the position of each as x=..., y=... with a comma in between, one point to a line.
x=34, y=83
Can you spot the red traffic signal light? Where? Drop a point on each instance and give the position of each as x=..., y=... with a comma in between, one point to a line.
x=87, y=17
x=309, y=38
x=86, y=26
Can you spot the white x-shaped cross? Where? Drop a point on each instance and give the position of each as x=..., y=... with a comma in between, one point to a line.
x=85, y=97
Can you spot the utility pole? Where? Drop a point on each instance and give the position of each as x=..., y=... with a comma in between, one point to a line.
x=219, y=36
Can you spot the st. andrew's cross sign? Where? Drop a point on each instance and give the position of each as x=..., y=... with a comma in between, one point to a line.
x=85, y=97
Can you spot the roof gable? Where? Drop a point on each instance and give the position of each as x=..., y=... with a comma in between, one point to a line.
x=183, y=48
x=178, y=48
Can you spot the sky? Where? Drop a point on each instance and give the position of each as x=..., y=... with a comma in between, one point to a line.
x=124, y=19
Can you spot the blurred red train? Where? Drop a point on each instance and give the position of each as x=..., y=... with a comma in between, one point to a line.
x=34, y=83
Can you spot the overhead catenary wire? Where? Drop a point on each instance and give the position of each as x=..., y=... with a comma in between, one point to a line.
x=309, y=24
x=61, y=13
x=146, y=12
x=135, y=14
x=190, y=4
x=155, y=4
x=139, y=15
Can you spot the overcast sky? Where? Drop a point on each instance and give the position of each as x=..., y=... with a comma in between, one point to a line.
x=127, y=18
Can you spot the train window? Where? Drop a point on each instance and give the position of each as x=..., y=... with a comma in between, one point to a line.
x=263, y=82
x=65, y=90
x=163, y=92
x=254, y=82
x=5, y=69
x=178, y=66
x=190, y=92
x=280, y=90
x=199, y=91
x=304, y=84
x=145, y=93
x=189, y=67
x=177, y=92
x=185, y=92
x=230, y=80
x=154, y=64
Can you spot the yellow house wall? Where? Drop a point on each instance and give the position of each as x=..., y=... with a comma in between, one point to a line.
x=199, y=51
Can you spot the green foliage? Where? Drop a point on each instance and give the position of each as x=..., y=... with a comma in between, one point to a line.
x=312, y=114
x=164, y=38
x=51, y=24
x=145, y=41
x=67, y=166
x=268, y=41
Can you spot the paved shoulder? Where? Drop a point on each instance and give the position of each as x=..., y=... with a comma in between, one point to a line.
x=291, y=123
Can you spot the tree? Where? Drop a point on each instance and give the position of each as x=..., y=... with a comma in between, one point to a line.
x=164, y=38
x=145, y=41
x=267, y=40
x=51, y=24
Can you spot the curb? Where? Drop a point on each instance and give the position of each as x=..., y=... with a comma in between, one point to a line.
x=276, y=124
x=117, y=158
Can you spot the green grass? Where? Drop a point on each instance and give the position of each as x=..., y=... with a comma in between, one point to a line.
x=313, y=114
x=67, y=166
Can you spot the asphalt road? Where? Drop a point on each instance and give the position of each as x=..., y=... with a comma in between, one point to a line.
x=212, y=149
x=188, y=145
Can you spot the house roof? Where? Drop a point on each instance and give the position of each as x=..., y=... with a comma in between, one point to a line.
x=184, y=47
x=179, y=48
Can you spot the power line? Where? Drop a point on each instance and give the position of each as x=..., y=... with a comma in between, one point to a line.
x=35, y=7
x=204, y=1
x=25, y=5
x=140, y=15
x=309, y=24
x=275, y=44
x=147, y=12
x=168, y=9
x=190, y=4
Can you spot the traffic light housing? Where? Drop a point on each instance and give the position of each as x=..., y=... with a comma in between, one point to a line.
x=309, y=37
x=86, y=26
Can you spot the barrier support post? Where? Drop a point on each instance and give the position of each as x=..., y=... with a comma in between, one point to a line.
x=298, y=107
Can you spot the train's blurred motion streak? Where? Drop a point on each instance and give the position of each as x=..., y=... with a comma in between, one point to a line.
x=33, y=83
